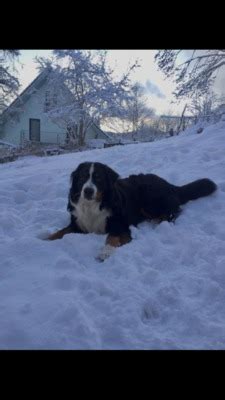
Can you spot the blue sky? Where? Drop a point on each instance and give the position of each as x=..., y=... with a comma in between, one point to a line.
x=159, y=89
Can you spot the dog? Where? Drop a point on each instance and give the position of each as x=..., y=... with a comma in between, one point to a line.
x=101, y=202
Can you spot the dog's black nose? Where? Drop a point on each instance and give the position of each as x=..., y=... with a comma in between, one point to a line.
x=88, y=193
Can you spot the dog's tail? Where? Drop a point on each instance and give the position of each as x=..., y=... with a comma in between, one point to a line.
x=196, y=189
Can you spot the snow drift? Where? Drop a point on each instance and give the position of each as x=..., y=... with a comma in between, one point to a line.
x=164, y=290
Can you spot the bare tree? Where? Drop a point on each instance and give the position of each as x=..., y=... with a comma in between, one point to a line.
x=93, y=93
x=9, y=83
x=182, y=120
x=205, y=106
x=138, y=112
x=194, y=75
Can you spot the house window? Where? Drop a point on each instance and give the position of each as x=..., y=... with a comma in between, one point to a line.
x=47, y=101
x=50, y=100
x=34, y=129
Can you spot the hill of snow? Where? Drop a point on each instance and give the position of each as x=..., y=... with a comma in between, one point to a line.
x=164, y=290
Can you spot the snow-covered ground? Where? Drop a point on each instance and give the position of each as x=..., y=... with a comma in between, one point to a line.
x=164, y=290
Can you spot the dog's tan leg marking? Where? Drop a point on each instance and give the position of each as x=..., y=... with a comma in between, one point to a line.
x=59, y=234
x=116, y=241
x=111, y=243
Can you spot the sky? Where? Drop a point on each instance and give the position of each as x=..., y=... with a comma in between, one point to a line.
x=159, y=90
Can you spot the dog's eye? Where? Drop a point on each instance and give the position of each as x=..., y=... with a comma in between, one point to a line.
x=84, y=176
x=96, y=177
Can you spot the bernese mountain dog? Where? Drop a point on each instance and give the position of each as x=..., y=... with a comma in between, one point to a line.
x=102, y=202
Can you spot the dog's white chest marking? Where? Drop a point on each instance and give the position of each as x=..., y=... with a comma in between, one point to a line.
x=89, y=217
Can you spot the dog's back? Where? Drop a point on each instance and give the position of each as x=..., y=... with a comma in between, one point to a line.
x=150, y=196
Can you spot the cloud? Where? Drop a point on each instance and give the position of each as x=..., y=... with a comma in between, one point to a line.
x=154, y=89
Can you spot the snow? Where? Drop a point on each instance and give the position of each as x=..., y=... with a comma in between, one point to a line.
x=163, y=290
x=7, y=144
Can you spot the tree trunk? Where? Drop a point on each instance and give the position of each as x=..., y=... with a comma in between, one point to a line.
x=182, y=120
x=81, y=135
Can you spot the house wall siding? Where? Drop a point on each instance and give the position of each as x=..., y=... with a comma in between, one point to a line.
x=33, y=108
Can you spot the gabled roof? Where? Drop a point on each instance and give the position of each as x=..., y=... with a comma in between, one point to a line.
x=27, y=92
x=100, y=130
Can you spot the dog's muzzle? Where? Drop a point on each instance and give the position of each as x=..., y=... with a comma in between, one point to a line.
x=88, y=193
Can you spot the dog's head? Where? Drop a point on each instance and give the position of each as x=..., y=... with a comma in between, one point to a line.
x=92, y=181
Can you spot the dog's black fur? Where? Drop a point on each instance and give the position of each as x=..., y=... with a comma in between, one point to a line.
x=134, y=199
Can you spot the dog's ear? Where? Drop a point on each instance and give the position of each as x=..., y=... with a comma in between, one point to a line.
x=73, y=192
x=73, y=176
x=111, y=175
x=110, y=178
x=117, y=192
x=119, y=196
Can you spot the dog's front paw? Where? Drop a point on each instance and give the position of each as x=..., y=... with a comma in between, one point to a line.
x=44, y=235
x=105, y=253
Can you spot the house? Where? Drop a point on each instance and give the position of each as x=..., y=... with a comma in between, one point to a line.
x=25, y=118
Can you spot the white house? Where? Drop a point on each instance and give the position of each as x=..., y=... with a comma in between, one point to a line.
x=25, y=118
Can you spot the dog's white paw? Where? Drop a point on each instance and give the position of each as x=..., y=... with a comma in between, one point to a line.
x=105, y=252
x=43, y=235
